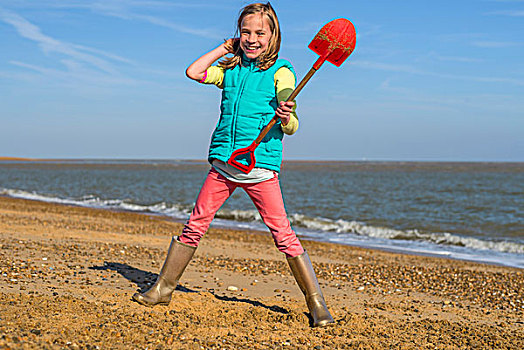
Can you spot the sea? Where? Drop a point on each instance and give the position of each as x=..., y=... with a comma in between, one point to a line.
x=465, y=211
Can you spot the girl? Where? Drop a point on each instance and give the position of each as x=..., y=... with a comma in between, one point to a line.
x=255, y=85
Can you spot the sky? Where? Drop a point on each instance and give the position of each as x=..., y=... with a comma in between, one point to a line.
x=428, y=80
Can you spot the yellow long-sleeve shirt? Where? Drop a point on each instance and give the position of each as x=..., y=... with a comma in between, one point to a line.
x=284, y=86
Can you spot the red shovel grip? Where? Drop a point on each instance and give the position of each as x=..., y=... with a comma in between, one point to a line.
x=244, y=154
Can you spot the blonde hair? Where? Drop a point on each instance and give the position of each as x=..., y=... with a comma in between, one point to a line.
x=270, y=55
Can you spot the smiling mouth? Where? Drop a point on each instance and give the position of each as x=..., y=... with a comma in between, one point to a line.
x=251, y=48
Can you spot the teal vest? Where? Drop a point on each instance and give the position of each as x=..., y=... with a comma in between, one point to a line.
x=248, y=103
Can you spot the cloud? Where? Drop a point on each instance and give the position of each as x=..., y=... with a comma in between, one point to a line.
x=134, y=10
x=205, y=33
x=399, y=68
x=106, y=54
x=387, y=86
x=76, y=72
x=49, y=45
x=458, y=59
x=460, y=37
x=89, y=4
x=495, y=44
x=32, y=67
x=121, y=4
x=415, y=98
x=509, y=13
x=77, y=63
x=478, y=40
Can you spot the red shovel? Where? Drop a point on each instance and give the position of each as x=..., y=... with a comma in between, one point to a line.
x=334, y=43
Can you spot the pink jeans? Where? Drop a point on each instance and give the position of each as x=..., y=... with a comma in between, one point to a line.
x=267, y=198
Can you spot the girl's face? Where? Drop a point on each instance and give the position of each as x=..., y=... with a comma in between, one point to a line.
x=255, y=34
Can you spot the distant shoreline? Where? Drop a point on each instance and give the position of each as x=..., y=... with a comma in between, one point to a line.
x=289, y=161
x=361, y=165
x=17, y=159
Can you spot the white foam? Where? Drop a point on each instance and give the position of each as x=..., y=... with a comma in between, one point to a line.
x=175, y=211
x=444, y=238
x=239, y=215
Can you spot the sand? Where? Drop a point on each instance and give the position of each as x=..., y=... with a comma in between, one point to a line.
x=67, y=275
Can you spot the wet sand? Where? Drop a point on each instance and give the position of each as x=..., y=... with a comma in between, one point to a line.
x=67, y=275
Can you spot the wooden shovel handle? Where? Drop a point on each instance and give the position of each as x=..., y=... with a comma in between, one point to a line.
x=291, y=97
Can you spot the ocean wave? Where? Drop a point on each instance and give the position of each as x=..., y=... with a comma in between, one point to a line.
x=162, y=208
x=239, y=215
x=444, y=238
x=316, y=224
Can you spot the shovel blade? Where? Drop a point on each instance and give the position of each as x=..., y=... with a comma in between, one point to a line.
x=335, y=41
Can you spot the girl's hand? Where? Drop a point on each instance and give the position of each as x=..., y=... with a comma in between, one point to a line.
x=284, y=111
x=197, y=69
x=231, y=45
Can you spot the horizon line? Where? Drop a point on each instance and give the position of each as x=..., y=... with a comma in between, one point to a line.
x=362, y=160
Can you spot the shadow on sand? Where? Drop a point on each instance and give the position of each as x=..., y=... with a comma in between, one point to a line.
x=145, y=279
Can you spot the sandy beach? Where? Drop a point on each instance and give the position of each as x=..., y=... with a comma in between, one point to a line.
x=67, y=275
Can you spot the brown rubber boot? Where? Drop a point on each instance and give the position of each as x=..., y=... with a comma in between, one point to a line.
x=308, y=283
x=178, y=257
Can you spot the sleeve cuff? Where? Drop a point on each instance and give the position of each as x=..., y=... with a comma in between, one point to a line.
x=291, y=127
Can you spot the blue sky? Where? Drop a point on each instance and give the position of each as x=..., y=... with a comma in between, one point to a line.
x=429, y=80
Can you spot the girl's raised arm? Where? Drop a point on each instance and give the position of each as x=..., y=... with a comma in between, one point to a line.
x=198, y=68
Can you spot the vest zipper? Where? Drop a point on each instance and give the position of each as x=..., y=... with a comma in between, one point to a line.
x=235, y=112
